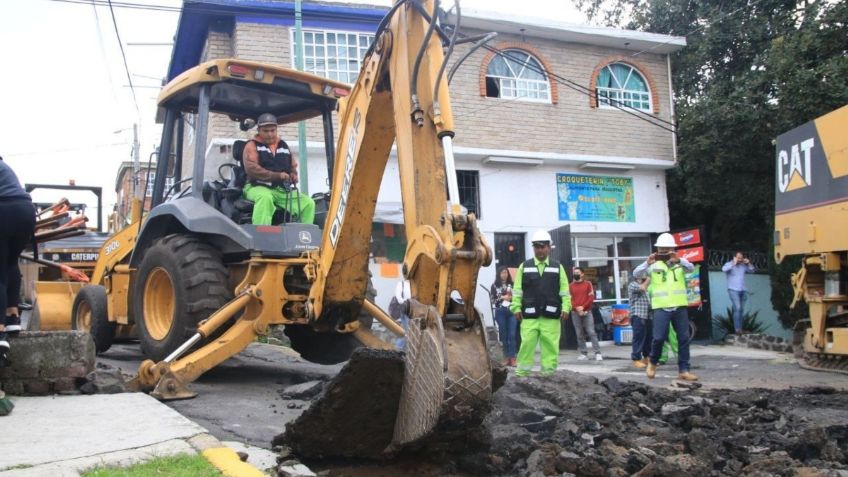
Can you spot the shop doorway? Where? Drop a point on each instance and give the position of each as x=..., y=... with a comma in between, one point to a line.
x=509, y=249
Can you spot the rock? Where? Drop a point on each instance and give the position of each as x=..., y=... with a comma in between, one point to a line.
x=104, y=381
x=568, y=462
x=587, y=439
x=303, y=391
x=681, y=465
x=295, y=470
x=547, y=424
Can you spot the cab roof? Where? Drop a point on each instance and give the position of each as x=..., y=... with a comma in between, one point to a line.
x=245, y=89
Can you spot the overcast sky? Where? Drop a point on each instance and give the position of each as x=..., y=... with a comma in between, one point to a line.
x=64, y=90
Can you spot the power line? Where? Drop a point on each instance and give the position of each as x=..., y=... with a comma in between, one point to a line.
x=124, y=56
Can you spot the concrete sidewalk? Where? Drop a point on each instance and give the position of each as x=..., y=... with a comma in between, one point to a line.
x=66, y=435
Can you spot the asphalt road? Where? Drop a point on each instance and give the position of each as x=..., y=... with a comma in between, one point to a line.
x=240, y=400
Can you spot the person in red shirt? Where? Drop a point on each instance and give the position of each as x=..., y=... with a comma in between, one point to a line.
x=582, y=299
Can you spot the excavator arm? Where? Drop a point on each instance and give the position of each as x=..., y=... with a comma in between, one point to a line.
x=401, y=97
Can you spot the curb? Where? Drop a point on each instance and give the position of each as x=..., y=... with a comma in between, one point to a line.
x=222, y=457
x=229, y=463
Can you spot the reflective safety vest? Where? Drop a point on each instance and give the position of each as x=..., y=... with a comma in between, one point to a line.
x=668, y=286
x=540, y=292
x=279, y=162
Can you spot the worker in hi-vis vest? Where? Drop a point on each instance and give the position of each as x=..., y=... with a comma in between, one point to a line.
x=540, y=299
x=669, y=303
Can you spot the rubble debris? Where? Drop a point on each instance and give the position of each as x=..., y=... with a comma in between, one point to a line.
x=574, y=424
x=104, y=380
x=307, y=390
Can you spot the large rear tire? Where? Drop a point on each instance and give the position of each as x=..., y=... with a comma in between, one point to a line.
x=90, y=314
x=181, y=281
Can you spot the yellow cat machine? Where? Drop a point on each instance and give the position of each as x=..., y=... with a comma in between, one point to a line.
x=200, y=283
x=811, y=216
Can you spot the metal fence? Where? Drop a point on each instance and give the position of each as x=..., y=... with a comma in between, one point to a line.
x=718, y=258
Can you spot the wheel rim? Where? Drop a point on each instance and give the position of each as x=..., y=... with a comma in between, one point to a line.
x=159, y=303
x=84, y=316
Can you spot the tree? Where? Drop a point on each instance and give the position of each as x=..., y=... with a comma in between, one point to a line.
x=751, y=70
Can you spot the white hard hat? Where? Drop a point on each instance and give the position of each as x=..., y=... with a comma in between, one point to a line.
x=665, y=240
x=541, y=236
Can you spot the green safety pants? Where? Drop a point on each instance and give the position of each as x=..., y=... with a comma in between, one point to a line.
x=543, y=331
x=266, y=200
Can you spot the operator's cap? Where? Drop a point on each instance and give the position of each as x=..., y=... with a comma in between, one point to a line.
x=266, y=119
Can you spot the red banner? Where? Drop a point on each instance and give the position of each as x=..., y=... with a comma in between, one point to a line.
x=688, y=238
x=693, y=254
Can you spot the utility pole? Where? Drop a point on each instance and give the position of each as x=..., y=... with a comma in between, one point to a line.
x=137, y=191
x=301, y=126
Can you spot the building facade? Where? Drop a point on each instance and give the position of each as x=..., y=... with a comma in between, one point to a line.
x=556, y=125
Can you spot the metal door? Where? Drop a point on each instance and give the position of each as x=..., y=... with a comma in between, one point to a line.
x=563, y=254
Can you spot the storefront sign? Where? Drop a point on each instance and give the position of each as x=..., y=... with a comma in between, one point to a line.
x=694, y=254
x=687, y=238
x=595, y=198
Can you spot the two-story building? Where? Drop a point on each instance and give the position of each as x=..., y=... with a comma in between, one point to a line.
x=556, y=125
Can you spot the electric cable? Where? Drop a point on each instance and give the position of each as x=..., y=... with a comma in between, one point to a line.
x=124, y=56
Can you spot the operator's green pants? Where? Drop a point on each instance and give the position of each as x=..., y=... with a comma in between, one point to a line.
x=670, y=344
x=543, y=331
x=267, y=199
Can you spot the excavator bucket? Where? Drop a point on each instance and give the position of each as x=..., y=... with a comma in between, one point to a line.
x=53, y=303
x=438, y=390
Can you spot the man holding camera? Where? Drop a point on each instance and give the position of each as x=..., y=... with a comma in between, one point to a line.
x=272, y=176
x=735, y=270
x=669, y=303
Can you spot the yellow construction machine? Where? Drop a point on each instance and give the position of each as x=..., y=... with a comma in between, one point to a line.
x=199, y=283
x=811, y=216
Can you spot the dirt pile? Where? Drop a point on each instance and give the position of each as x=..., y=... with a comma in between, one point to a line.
x=572, y=424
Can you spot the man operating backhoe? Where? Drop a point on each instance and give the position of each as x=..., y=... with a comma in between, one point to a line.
x=272, y=176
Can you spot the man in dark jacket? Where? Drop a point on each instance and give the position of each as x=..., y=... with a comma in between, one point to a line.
x=17, y=221
x=540, y=300
x=272, y=176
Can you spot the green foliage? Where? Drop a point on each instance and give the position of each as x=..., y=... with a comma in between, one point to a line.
x=750, y=323
x=751, y=70
x=193, y=465
x=782, y=292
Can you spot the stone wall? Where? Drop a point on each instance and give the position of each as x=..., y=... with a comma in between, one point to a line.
x=47, y=362
x=760, y=341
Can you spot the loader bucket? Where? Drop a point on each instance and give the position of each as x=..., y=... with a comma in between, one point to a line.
x=53, y=303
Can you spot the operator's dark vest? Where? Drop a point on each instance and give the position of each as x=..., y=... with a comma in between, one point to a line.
x=279, y=162
x=540, y=293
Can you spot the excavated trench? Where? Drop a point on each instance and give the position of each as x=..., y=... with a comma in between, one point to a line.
x=573, y=424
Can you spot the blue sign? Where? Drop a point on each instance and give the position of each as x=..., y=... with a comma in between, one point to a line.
x=595, y=198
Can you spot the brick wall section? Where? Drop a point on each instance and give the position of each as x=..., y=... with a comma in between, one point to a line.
x=570, y=125
x=567, y=126
x=643, y=69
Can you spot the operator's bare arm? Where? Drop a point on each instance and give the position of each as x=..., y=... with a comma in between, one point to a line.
x=257, y=172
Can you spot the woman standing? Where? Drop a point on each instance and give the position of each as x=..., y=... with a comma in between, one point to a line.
x=17, y=221
x=501, y=296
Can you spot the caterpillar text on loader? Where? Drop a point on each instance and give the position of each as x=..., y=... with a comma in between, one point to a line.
x=199, y=282
x=811, y=214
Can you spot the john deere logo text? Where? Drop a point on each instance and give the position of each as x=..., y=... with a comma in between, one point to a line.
x=793, y=166
x=336, y=228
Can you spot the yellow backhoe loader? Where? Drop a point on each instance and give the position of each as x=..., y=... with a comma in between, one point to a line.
x=198, y=282
x=811, y=215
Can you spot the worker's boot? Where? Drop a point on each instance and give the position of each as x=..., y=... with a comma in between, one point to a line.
x=13, y=324
x=687, y=376
x=641, y=363
x=651, y=370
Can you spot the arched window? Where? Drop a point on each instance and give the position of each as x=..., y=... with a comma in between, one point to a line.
x=620, y=85
x=515, y=74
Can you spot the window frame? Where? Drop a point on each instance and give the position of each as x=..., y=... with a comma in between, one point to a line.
x=603, y=101
x=516, y=79
x=354, y=72
x=615, y=258
x=475, y=188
